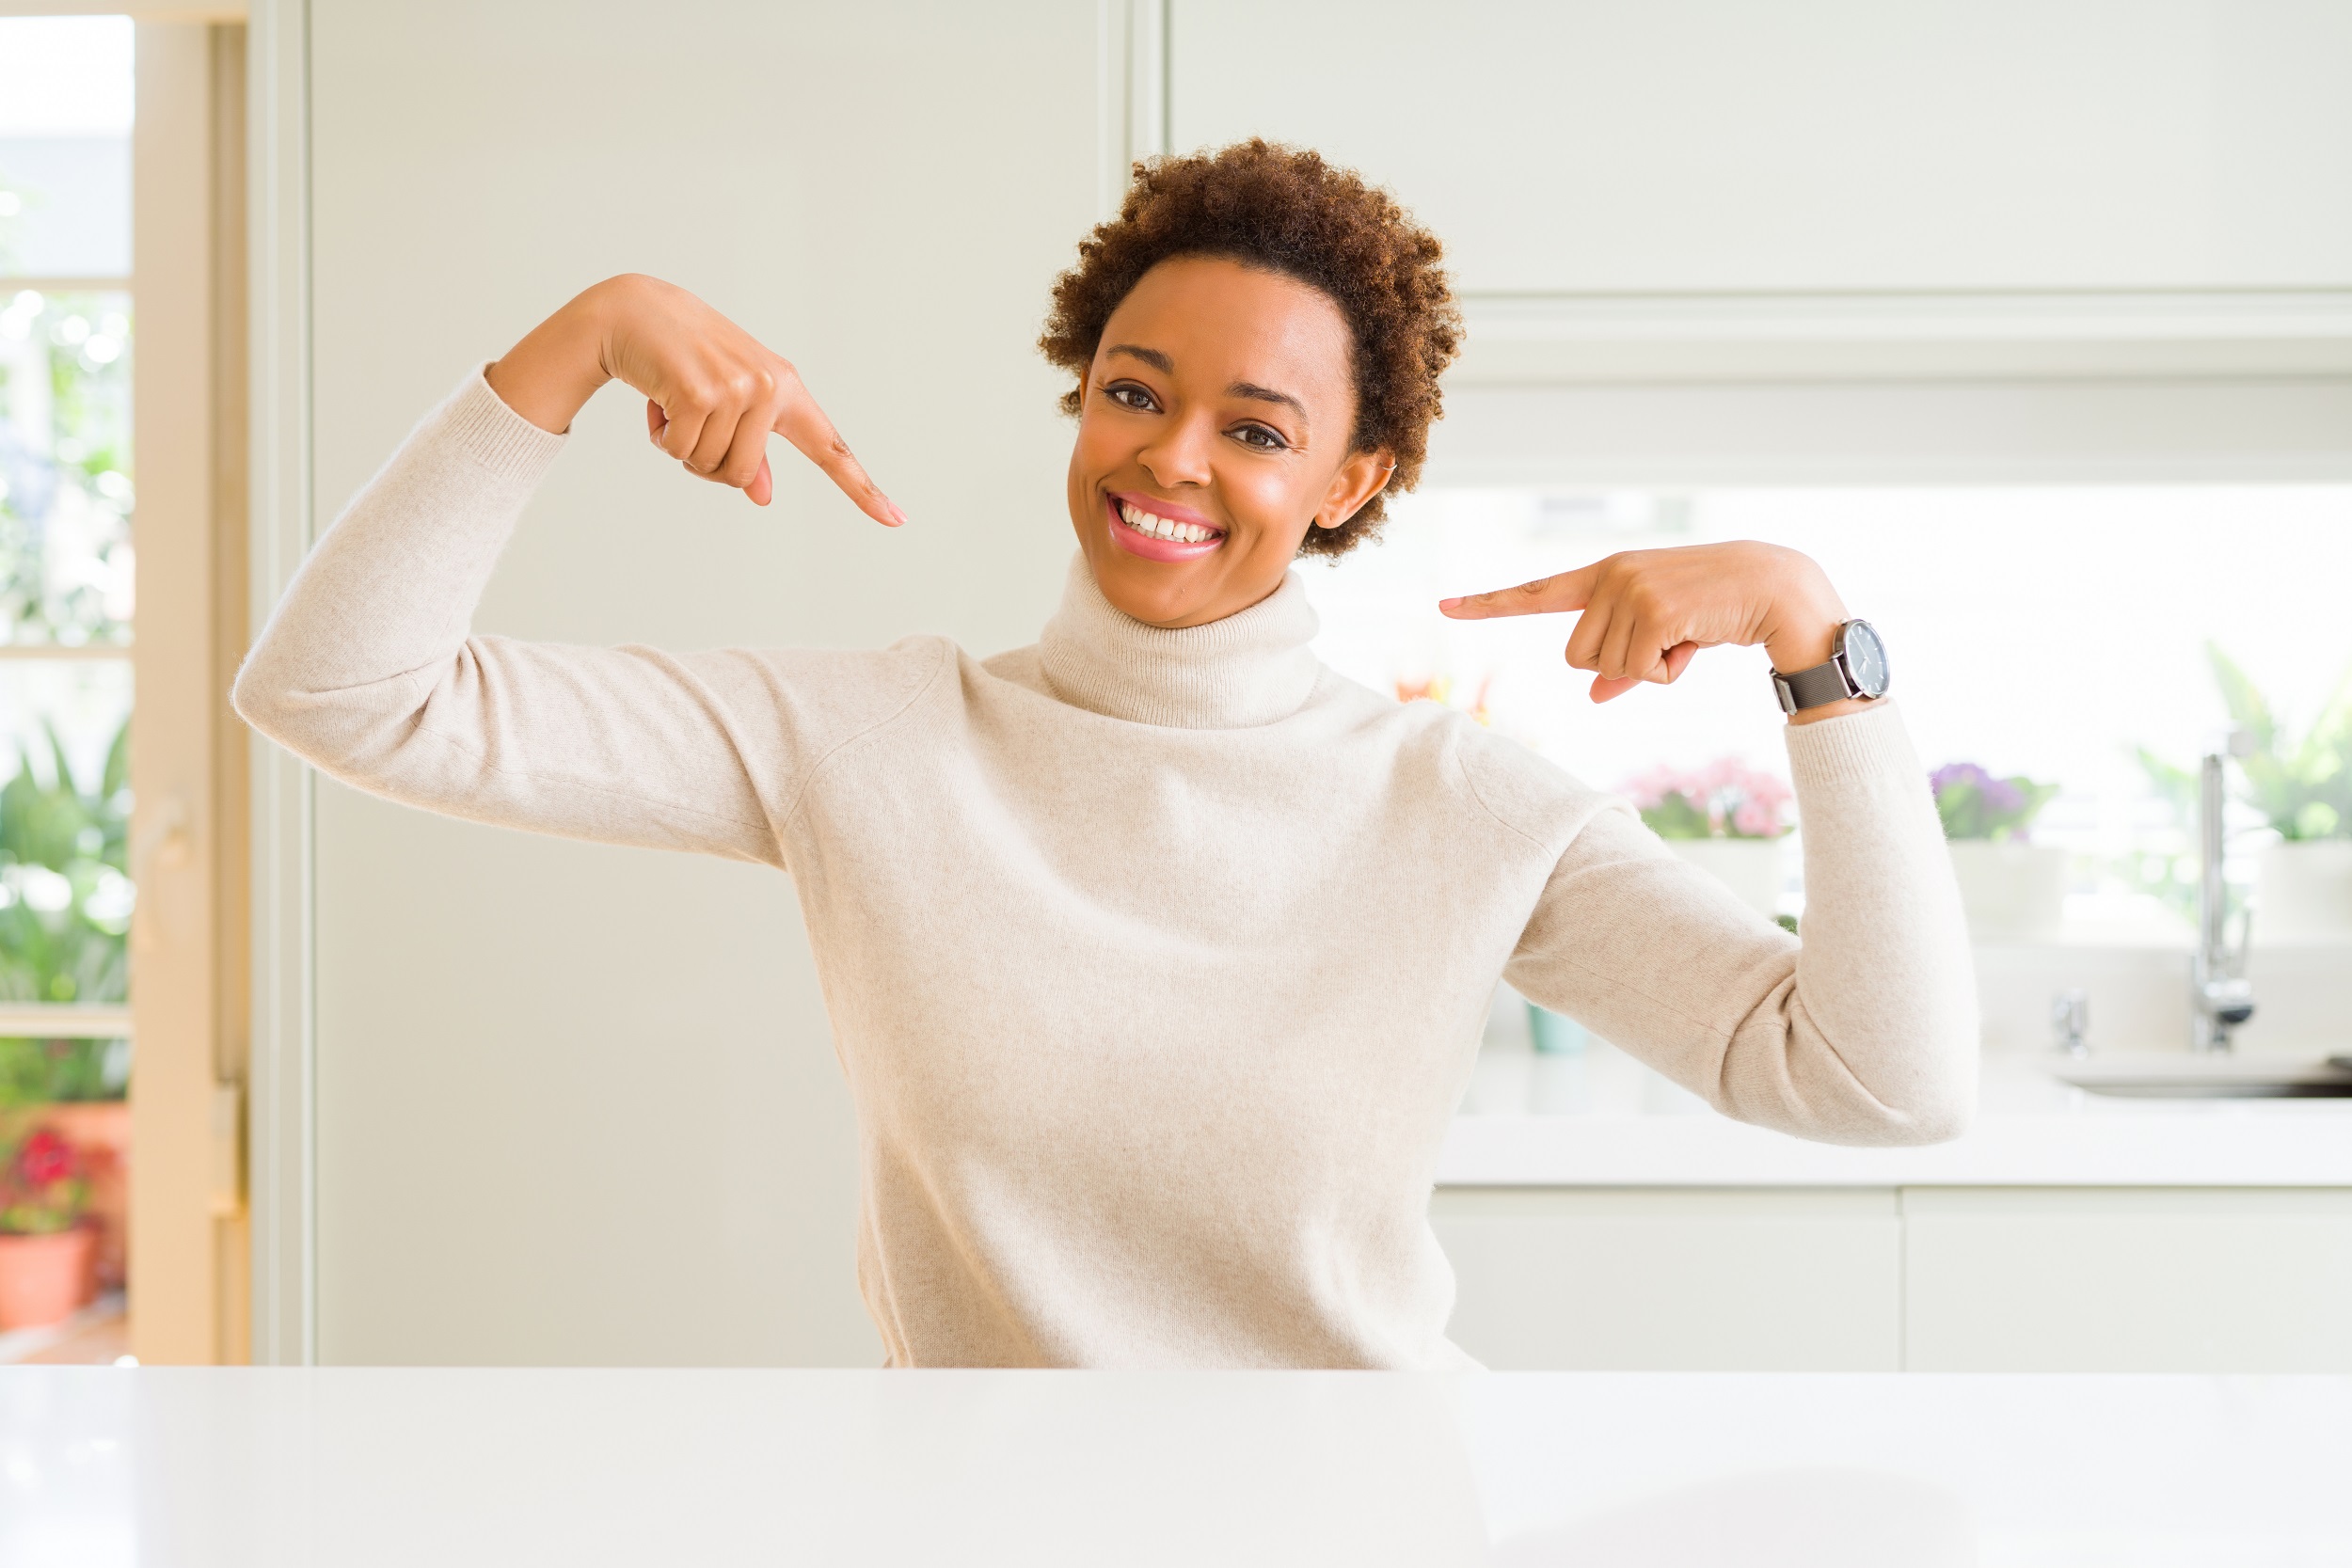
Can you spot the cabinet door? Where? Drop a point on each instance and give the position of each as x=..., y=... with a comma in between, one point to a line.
x=1842, y=145
x=2143, y=1280
x=1657, y=1280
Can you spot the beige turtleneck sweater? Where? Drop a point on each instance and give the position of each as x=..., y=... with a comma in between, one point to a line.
x=1158, y=960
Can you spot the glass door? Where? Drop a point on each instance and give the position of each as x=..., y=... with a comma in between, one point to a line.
x=67, y=855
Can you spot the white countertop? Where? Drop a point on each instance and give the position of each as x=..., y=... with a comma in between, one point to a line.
x=1597, y=1117
x=254, y=1468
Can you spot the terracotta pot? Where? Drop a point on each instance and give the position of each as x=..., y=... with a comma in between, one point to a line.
x=41, y=1277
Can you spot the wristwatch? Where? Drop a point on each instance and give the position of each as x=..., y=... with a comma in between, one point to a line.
x=1856, y=667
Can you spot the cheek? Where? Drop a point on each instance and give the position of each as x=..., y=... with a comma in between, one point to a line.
x=1102, y=446
x=1268, y=497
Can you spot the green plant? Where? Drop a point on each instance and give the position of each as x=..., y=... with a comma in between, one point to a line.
x=2303, y=789
x=65, y=915
x=1974, y=804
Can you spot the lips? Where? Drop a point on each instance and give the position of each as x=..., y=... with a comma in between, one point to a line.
x=1158, y=532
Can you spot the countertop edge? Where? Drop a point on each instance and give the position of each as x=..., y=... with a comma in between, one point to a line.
x=2223, y=1148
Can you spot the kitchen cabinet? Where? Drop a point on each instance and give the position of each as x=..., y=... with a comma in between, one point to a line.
x=1726, y=1279
x=2127, y=1280
x=1709, y=146
x=1939, y=1280
x=1829, y=241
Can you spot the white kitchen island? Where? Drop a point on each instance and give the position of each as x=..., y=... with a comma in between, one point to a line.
x=1600, y=1217
x=344, y=1468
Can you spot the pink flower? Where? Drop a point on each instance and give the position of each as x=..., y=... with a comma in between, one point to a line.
x=46, y=1158
x=1727, y=798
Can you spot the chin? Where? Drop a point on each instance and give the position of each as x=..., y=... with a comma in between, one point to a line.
x=1157, y=595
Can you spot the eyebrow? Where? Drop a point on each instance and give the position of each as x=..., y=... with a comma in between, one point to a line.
x=1249, y=390
x=1151, y=357
x=1266, y=394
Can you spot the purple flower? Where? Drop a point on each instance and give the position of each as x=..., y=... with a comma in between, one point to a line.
x=1953, y=773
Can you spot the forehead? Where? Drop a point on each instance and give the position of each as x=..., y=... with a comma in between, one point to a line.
x=1224, y=321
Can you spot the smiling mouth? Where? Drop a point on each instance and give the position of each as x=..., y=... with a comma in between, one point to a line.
x=1134, y=519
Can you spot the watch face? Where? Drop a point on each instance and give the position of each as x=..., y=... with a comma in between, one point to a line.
x=1865, y=658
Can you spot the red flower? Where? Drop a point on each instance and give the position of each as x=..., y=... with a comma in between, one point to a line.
x=46, y=1158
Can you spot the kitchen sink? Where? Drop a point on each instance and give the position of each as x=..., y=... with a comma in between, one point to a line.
x=2181, y=1076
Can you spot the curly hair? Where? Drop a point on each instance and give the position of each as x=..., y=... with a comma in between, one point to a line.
x=1286, y=211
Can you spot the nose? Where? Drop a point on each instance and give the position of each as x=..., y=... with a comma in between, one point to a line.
x=1179, y=454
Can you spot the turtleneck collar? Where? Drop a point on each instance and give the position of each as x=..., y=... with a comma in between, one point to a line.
x=1247, y=669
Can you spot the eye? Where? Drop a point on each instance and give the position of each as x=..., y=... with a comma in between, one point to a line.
x=1129, y=394
x=1258, y=438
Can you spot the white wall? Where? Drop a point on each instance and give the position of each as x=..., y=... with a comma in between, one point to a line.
x=579, y=1104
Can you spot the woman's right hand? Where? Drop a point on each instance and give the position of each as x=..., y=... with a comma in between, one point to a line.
x=713, y=394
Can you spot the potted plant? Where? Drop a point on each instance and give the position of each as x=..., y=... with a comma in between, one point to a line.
x=2303, y=882
x=44, y=1249
x=64, y=912
x=1726, y=818
x=2010, y=887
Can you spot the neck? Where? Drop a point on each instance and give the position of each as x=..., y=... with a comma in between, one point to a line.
x=1250, y=668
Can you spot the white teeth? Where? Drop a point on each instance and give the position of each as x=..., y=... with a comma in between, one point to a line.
x=1163, y=528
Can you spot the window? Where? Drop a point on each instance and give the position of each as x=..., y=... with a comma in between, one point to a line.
x=2064, y=635
x=67, y=499
x=2050, y=633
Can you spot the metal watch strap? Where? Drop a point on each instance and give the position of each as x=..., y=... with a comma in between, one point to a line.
x=1823, y=683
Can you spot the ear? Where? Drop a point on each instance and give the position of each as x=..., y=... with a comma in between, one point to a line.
x=1359, y=479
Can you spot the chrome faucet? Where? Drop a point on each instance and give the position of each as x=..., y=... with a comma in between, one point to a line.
x=2069, y=1014
x=2221, y=996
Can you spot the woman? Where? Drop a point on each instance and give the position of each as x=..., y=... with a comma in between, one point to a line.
x=1156, y=954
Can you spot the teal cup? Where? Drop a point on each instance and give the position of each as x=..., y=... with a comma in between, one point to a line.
x=1553, y=1034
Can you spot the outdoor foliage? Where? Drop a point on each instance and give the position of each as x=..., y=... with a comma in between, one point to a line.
x=64, y=917
x=65, y=459
x=2302, y=787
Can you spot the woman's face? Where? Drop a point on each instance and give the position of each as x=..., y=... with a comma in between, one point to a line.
x=1217, y=415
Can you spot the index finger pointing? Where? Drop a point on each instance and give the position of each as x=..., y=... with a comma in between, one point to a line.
x=803, y=423
x=1544, y=597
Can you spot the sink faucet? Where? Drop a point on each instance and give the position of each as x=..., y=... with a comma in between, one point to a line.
x=2220, y=997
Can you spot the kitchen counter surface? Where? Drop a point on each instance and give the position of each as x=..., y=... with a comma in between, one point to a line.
x=1598, y=1118
x=265, y=1468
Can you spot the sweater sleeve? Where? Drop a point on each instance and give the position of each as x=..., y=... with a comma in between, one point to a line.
x=1866, y=1033
x=368, y=670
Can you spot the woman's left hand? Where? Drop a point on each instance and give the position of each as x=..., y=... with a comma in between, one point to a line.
x=1647, y=612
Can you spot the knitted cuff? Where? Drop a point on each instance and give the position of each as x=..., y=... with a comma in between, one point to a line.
x=1852, y=748
x=477, y=419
